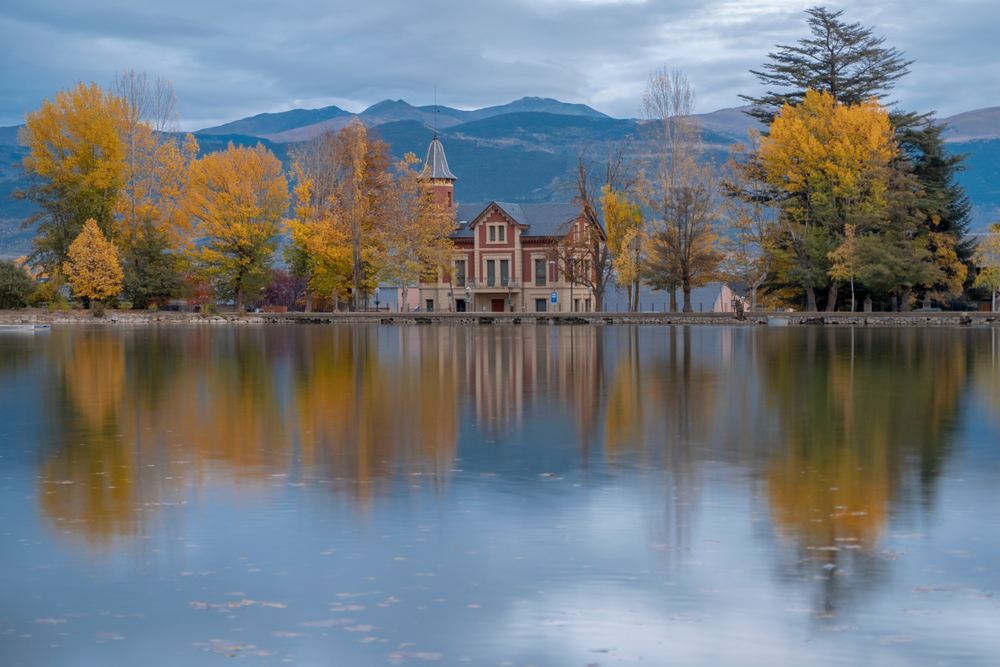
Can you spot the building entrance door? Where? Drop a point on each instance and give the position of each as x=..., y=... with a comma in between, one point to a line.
x=497, y=305
x=459, y=305
x=540, y=305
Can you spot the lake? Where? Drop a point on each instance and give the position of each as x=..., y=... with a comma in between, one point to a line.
x=509, y=496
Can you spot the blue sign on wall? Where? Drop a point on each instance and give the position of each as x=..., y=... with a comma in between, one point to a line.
x=554, y=297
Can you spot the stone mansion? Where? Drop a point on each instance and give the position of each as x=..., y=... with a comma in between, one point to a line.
x=505, y=254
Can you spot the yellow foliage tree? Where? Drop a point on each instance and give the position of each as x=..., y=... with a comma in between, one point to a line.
x=93, y=268
x=154, y=164
x=623, y=222
x=73, y=167
x=238, y=198
x=987, y=258
x=832, y=162
x=415, y=229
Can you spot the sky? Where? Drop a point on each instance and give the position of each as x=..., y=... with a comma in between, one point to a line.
x=237, y=59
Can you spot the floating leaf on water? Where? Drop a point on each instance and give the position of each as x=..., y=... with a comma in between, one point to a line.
x=287, y=634
x=276, y=605
x=361, y=628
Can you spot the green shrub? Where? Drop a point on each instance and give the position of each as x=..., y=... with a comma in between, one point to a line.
x=16, y=286
x=97, y=308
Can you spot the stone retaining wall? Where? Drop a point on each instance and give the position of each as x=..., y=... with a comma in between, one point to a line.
x=39, y=316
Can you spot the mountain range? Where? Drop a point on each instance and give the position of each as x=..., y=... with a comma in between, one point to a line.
x=525, y=151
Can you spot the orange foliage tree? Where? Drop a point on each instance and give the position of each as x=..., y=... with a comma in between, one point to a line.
x=93, y=268
x=238, y=198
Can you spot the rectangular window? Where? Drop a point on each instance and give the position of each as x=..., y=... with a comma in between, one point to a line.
x=540, y=305
x=501, y=231
x=491, y=272
x=460, y=273
x=504, y=271
x=540, y=272
x=493, y=233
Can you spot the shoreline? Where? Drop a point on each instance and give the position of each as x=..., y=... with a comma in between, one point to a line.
x=42, y=316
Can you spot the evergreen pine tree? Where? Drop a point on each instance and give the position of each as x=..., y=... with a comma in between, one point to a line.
x=845, y=60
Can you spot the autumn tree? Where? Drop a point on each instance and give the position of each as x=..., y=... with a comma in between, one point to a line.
x=987, y=258
x=154, y=163
x=238, y=198
x=338, y=230
x=753, y=222
x=679, y=191
x=415, y=227
x=73, y=168
x=851, y=63
x=832, y=164
x=93, y=268
x=616, y=177
x=625, y=228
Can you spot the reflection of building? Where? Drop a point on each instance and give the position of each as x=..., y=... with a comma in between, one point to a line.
x=506, y=259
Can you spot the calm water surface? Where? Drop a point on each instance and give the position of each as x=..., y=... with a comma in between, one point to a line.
x=499, y=496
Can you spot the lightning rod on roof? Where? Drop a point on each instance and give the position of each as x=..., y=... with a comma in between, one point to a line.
x=436, y=111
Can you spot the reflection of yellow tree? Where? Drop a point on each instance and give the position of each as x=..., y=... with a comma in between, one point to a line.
x=860, y=415
x=142, y=416
x=367, y=408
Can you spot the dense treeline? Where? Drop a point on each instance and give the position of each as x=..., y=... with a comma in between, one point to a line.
x=128, y=214
x=838, y=200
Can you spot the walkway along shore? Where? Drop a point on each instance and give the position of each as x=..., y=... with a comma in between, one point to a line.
x=78, y=317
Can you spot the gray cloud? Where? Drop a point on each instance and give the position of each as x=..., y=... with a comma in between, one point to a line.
x=230, y=60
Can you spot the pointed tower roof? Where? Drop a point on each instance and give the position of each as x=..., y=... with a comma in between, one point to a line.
x=436, y=164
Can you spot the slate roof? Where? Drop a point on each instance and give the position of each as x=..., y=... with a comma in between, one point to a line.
x=540, y=219
x=436, y=164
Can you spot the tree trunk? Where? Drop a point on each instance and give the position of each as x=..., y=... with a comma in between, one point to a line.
x=831, y=297
x=868, y=303
x=905, y=305
x=810, y=299
x=309, y=301
x=687, y=297
x=894, y=304
x=673, y=299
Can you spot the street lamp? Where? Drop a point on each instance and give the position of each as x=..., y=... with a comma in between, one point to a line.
x=555, y=276
x=572, y=277
x=376, y=299
x=468, y=298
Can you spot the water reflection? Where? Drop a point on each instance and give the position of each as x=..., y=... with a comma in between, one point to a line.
x=831, y=437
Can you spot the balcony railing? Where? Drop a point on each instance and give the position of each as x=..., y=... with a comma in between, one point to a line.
x=493, y=283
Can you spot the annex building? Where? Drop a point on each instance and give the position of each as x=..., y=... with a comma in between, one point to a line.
x=506, y=256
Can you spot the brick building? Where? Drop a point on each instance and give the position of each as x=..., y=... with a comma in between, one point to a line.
x=505, y=254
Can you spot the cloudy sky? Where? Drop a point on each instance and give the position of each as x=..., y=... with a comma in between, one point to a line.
x=234, y=59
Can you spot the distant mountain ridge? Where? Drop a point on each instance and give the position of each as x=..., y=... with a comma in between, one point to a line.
x=301, y=124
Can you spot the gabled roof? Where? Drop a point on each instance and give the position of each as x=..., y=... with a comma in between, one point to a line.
x=537, y=220
x=436, y=164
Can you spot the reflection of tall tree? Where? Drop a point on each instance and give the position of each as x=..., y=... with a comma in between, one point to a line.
x=135, y=416
x=862, y=416
x=663, y=408
x=370, y=403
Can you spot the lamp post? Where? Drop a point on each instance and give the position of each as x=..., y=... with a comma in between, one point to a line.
x=572, y=277
x=376, y=299
x=590, y=291
x=469, y=306
x=555, y=276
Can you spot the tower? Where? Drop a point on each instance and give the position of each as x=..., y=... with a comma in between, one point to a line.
x=437, y=173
